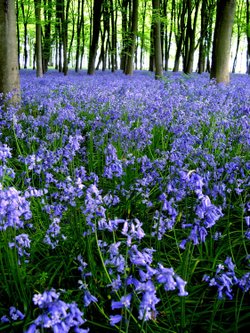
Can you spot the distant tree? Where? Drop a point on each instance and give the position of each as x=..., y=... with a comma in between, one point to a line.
x=222, y=40
x=47, y=40
x=248, y=35
x=180, y=13
x=97, y=12
x=39, y=61
x=9, y=71
x=132, y=39
x=79, y=32
x=190, y=34
x=157, y=38
x=205, y=40
x=240, y=28
x=167, y=31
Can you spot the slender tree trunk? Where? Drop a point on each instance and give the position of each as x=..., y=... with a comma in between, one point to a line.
x=248, y=35
x=202, y=49
x=97, y=11
x=59, y=33
x=222, y=40
x=79, y=24
x=168, y=31
x=190, y=36
x=113, y=36
x=125, y=32
x=157, y=39
x=18, y=35
x=237, y=50
x=238, y=19
x=180, y=34
x=39, y=62
x=143, y=34
x=47, y=34
x=9, y=73
x=71, y=40
x=132, y=39
x=25, y=26
x=152, y=48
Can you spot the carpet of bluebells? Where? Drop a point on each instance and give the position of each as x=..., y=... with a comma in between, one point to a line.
x=125, y=204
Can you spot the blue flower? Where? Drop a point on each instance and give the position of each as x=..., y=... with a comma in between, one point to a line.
x=123, y=303
x=115, y=319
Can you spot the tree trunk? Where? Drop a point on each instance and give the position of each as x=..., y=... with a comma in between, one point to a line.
x=180, y=33
x=39, y=62
x=18, y=35
x=125, y=32
x=237, y=50
x=157, y=39
x=9, y=73
x=47, y=34
x=152, y=48
x=143, y=34
x=222, y=40
x=203, y=32
x=132, y=39
x=189, y=45
x=25, y=26
x=80, y=22
x=113, y=36
x=97, y=11
x=248, y=36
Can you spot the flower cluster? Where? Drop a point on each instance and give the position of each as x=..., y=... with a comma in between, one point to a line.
x=113, y=166
x=224, y=279
x=14, y=314
x=61, y=317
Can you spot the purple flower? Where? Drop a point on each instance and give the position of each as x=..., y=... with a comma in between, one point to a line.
x=113, y=166
x=14, y=209
x=56, y=314
x=53, y=235
x=123, y=303
x=14, y=314
x=88, y=298
x=224, y=279
x=4, y=152
x=21, y=243
x=115, y=319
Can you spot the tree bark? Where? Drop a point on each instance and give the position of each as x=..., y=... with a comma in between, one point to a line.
x=9, y=73
x=157, y=39
x=222, y=40
x=97, y=11
x=132, y=39
x=180, y=16
x=80, y=22
x=39, y=62
x=248, y=35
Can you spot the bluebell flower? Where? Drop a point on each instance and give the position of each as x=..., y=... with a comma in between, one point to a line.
x=116, y=284
x=21, y=243
x=115, y=319
x=165, y=276
x=147, y=307
x=224, y=279
x=53, y=234
x=57, y=315
x=88, y=298
x=141, y=258
x=123, y=303
x=244, y=282
x=113, y=166
x=14, y=314
x=14, y=209
x=5, y=152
